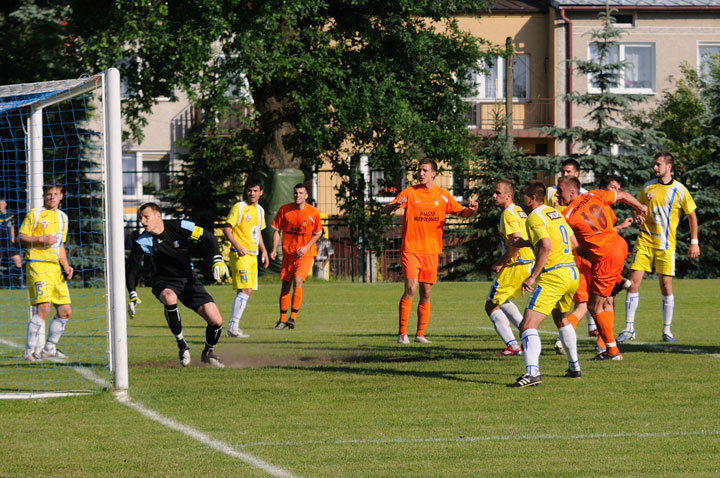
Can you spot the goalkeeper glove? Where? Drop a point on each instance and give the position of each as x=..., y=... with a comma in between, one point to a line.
x=220, y=270
x=134, y=300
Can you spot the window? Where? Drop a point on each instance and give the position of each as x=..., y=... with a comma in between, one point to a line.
x=490, y=84
x=624, y=19
x=706, y=53
x=155, y=176
x=129, y=174
x=638, y=76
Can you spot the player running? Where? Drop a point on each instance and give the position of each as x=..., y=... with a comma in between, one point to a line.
x=553, y=282
x=513, y=267
x=425, y=208
x=591, y=219
x=170, y=245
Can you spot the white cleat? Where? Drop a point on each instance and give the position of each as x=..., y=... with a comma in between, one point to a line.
x=421, y=339
x=559, y=349
x=235, y=332
x=184, y=357
x=31, y=356
x=403, y=339
x=52, y=353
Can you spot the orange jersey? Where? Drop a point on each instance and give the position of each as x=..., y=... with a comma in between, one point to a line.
x=297, y=226
x=424, y=219
x=592, y=220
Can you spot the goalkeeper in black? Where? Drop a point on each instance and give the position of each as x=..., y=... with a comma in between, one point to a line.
x=169, y=244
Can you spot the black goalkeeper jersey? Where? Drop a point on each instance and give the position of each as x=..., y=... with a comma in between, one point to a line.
x=170, y=251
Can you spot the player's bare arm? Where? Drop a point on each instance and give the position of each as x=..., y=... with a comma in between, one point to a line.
x=227, y=230
x=694, y=249
x=276, y=242
x=469, y=210
x=626, y=223
x=37, y=241
x=69, y=271
x=304, y=249
x=263, y=253
x=393, y=206
x=541, y=258
x=640, y=209
x=510, y=252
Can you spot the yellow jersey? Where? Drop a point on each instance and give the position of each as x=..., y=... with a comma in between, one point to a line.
x=247, y=221
x=664, y=202
x=545, y=221
x=44, y=222
x=512, y=220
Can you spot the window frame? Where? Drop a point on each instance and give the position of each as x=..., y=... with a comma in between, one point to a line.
x=481, y=79
x=700, y=56
x=621, y=57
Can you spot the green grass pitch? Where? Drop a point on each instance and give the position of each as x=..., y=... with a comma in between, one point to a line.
x=338, y=397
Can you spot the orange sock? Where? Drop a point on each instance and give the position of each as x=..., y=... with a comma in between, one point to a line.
x=404, y=313
x=572, y=318
x=604, y=321
x=284, y=304
x=296, y=301
x=423, y=315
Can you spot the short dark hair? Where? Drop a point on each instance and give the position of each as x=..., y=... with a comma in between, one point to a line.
x=571, y=181
x=53, y=185
x=431, y=162
x=606, y=179
x=571, y=162
x=667, y=157
x=535, y=188
x=300, y=186
x=254, y=181
x=150, y=205
x=508, y=184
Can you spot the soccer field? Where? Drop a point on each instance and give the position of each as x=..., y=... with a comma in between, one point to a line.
x=337, y=396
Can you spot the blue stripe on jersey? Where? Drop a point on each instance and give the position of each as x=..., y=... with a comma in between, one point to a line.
x=573, y=273
x=557, y=266
x=667, y=224
x=534, y=297
x=493, y=290
x=189, y=225
x=146, y=242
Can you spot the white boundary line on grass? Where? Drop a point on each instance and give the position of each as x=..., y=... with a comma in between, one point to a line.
x=591, y=436
x=205, y=439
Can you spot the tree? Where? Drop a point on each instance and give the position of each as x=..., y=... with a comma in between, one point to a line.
x=325, y=79
x=594, y=147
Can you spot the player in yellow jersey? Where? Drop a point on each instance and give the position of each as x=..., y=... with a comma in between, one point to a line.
x=655, y=244
x=43, y=234
x=242, y=228
x=512, y=268
x=552, y=283
x=569, y=167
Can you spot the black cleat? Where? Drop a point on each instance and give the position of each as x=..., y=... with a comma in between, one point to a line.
x=280, y=325
x=572, y=373
x=526, y=380
x=290, y=324
x=209, y=358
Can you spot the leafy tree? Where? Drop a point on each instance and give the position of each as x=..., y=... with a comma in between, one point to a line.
x=594, y=146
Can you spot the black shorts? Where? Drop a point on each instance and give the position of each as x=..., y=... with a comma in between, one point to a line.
x=188, y=289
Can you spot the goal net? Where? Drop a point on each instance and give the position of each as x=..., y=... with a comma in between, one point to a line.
x=66, y=133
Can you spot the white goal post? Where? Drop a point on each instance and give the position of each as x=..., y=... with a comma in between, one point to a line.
x=24, y=107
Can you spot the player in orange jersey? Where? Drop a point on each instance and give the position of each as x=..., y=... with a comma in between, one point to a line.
x=299, y=223
x=425, y=208
x=590, y=217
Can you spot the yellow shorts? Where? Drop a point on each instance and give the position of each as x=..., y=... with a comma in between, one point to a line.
x=643, y=258
x=554, y=289
x=244, y=271
x=46, y=283
x=508, y=283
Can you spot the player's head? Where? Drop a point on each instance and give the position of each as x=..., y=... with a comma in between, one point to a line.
x=611, y=182
x=568, y=188
x=52, y=195
x=504, y=192
x=427, y=170
x=533, y=194
x=253, y=190
x=663, y=164
x=151, y=218
x=570, y=167
x=3, y=203
x=300, y=194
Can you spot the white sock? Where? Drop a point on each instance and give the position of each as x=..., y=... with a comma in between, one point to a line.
x=35, y=324
x=568, y=337
x=531, y=351
x=668, y=306
x=631, y=305
x=512, y=313
x=238, y=307
x=57, y=327
x=502, y=327
x=591, y=322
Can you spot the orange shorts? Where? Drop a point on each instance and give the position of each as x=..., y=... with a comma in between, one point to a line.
x=293, y=266
x=606, y=271
x=422, y=267
x=585, y=269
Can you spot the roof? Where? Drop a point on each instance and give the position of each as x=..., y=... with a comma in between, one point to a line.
x=639, y=3
x=521, y=6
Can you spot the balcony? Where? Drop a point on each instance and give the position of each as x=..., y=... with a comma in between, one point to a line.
x=527, y=116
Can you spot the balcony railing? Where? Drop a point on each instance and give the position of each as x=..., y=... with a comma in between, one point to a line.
x=531, y=113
